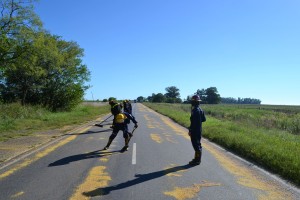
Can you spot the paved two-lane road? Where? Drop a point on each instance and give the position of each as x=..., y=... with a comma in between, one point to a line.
x=155, y=167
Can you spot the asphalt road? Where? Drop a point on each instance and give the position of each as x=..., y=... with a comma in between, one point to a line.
x=155, y=167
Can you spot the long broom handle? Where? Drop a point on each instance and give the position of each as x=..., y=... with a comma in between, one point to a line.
x=106, y=119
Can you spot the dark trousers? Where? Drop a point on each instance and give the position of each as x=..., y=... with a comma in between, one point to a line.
x=196, y=141
x=119, y=127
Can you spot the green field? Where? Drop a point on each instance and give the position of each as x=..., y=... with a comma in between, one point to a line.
x=17, y=120
x=266, y=135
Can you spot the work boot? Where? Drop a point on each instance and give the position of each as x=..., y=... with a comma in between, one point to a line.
x=197, y=159
x=108, y=144
x=125, y=148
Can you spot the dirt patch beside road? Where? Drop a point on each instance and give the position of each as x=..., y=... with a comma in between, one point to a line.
x=16, y=147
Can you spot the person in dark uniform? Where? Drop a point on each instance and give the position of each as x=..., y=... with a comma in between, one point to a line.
x=127, y=106
x=120, y=123
x=115, y=108
x=195, y=129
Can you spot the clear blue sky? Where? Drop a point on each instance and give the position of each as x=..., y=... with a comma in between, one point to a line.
x=244, y=48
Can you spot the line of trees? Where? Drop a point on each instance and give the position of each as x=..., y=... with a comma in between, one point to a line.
x=230, y=100
x=172, y=95
x=207, y=96
x=37, y=67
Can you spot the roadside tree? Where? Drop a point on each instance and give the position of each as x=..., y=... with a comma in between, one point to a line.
x=158, y=98
x=172, y=92
x=212, y=95
x=17, y=24
x=140, y=99
x=202, y=95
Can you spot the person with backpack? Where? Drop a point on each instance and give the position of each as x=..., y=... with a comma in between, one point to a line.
x=195, y=129
x=120, y=123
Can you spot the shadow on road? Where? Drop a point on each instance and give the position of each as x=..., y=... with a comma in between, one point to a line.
x=74, y=158
x=106, y=130
x=91, y=132
x=140, y=179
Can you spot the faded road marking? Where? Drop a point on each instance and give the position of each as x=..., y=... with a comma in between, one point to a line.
x=156, y=138
x=152, y=123
x=103, y=159
x=248, y=177
x=189, y=192
x=176, y=174
x=97, y=178
x=36, y=157
x=17, y=195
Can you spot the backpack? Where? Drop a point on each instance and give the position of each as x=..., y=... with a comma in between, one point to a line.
x=120, y=118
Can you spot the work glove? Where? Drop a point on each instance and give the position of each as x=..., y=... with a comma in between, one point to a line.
x=135, y=125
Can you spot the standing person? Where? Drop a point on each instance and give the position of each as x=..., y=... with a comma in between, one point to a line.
x=195, y=129
x=127, y=106
x=120, y=123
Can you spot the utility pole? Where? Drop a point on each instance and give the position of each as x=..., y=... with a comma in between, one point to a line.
x=92, y=96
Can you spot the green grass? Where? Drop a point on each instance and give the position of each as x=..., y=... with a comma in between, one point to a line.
x=285, y=118
x=17, y=120
x=245, y=131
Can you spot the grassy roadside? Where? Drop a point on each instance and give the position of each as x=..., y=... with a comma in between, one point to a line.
x=268, y=145
x=17, y=121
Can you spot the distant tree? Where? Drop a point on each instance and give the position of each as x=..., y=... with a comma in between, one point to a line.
x=231, y=100
x=170, y=100
x=228, y=100
x=105, y=100
x=173, y=100
x=239, y=100
x=112, y=99
x=150, y=98
x=188, y=99
x=140, y=99
x=251, y=101
x=212, y=95
x=208, y=96
x=202, y=94
x=159, y=98
x=172, y=92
